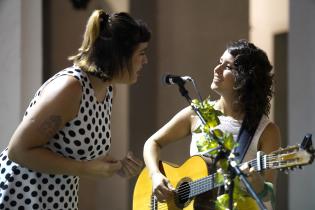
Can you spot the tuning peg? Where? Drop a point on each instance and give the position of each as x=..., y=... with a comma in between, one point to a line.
x=301, y=167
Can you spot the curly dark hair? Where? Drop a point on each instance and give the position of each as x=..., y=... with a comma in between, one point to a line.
x=253, y=81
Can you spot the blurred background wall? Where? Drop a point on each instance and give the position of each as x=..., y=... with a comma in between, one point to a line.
x=36, y=37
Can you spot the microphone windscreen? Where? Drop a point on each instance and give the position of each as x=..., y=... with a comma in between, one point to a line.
x=165, y=79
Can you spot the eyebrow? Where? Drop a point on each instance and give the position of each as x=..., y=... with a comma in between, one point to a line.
x=227, y=62
x=144, y=49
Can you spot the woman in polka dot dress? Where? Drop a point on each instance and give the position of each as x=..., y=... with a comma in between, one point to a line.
x=65, y=132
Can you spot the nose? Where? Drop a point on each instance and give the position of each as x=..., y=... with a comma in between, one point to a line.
x=218, y=68
x=145, y=60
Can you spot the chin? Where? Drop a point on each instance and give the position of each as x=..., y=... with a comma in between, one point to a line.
x=216, y=88
x=133, y=81
x=213, y=86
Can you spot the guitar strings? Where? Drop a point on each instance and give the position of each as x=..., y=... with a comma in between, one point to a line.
x=192, y=188
x=155, y=205
x=197, y=186
x=200, y=185
x=159, y=206
x=184, y=194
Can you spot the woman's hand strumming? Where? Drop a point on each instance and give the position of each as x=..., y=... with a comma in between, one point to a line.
x=162, y=188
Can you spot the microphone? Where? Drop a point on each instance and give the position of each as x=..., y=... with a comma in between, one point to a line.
x=170, y=79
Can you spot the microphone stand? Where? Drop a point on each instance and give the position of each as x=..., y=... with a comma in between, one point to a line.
x=184, y=92
x=233, y=167
x=235, y=170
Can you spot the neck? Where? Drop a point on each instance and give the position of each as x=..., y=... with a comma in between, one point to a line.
x=99, y=86
x=97, y=82
x=229, y=108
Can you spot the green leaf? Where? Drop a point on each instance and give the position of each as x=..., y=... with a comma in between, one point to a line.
x=224, y=164
x=218, y=133
x=198, y=130
x=228, y=141
x=219, y=178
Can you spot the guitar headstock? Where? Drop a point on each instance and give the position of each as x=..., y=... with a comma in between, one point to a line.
x=292, y=156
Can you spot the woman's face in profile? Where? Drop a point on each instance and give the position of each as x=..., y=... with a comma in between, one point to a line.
x=223, y=77
x=138, y=59
x=132, y=71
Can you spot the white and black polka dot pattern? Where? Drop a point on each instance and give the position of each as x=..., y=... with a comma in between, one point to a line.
x=84, y=138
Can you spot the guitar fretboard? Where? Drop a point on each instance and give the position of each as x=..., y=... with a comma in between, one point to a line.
x=203, y=185
x=207, y=183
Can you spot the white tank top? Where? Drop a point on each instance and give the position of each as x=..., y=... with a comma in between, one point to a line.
x=230, y=125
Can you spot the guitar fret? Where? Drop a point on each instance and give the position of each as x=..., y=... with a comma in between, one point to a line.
x=202, y=185
x=154, y=203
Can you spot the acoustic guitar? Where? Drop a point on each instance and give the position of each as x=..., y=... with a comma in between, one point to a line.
x=192, y=178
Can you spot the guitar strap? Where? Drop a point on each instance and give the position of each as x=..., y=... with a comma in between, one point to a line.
x=244, y=139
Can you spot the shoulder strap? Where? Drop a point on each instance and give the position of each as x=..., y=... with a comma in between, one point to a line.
x=244, y=139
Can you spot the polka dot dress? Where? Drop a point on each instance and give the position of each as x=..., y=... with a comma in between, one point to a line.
x=86, y=137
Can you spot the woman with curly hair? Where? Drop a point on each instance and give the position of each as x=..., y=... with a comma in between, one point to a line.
x=243, y=80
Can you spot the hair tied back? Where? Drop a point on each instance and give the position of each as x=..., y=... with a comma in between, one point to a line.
x=105, y=26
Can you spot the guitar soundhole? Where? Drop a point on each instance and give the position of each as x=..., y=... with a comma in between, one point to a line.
x=182, y=197
x=183, y=192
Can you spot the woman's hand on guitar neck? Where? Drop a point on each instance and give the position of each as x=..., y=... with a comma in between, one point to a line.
x=162, y=188
x=256, y=179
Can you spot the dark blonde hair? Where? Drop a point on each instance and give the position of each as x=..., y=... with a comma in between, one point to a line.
x=108, y=43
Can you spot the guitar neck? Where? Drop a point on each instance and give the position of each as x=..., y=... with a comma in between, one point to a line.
x=289, y=157
x=203, y=185
x=197, y=187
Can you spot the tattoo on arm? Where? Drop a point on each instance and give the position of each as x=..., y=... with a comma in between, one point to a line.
x=50, y=126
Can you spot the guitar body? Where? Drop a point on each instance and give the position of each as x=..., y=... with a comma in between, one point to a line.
x=194, y=168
